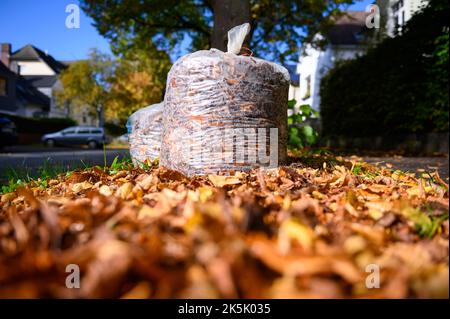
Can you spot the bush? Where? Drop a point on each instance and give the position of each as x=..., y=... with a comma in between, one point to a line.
x=400, y=86
x=301, y=134
x=114, y=129
x=39, y=125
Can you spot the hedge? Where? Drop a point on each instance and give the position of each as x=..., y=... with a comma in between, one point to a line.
x=399, y=86
x=115, y=129
x=39, y=125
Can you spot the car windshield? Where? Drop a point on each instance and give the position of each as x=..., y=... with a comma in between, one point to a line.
x=68, y=131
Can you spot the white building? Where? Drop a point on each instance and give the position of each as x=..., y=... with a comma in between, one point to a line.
x=347, y=39
x=40, y=70
x=37, y=82
x=399, y=12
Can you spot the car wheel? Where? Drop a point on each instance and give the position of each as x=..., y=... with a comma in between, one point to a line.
x=50, y=143
x=92, y=144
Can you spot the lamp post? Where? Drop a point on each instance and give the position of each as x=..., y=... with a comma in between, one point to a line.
x=100, y=121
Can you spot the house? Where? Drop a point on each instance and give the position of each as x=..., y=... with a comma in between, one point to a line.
x=36, y=82
x=398, y=12
x=40, y=70
x=17, y=96
x=7, y=84
x=347, y=39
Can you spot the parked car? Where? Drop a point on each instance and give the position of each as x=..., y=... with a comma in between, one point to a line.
x=8, y=132
x=91, y=136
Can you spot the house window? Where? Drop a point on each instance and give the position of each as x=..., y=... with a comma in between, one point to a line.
x=308, y=87
x=3, y=84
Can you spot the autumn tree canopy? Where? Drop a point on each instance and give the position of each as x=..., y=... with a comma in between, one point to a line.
x=114, y=88
x=86, y=83
x=277, y=26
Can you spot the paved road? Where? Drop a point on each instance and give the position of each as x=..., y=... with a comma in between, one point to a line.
x=26, y=158
x=414, y=164
x=58, y=158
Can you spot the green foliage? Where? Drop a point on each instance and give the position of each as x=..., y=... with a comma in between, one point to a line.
x=120, y=164
x=86, y=83
x=118, y=86
x=20, y=176
x=115, y=129
x=40, y=125
x=357, y=169
x=400, y=86
x=11, y=186
x=426, y=225
x=277, y=26
x=300, y=134
x=139, y=79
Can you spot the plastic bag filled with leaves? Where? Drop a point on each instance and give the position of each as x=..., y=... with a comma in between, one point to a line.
x=144, y=128
x=224, y=112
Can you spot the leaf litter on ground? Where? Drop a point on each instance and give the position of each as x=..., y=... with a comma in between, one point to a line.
x=307, y=230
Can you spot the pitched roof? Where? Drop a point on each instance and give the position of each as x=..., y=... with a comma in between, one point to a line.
x=25, y=90
x=349, y=29
x=31, y=53
x=5, y=70
x=41, y=81
x=29, y=93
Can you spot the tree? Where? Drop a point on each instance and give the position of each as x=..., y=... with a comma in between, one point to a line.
x=114, y=88
x=86, y=84
x=277, y=26
x=139, y=80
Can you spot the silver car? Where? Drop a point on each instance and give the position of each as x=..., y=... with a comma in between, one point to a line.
x=91, y=136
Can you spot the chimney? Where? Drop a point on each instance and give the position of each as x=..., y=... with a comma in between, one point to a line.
x=5, y=53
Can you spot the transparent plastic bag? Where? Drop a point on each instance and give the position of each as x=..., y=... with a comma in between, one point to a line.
x=144, y=133
x=224, y=112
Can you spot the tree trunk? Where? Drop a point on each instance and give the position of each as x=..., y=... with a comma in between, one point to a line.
x=227, y=14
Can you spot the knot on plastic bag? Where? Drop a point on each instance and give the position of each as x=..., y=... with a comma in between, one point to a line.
x=236, y=37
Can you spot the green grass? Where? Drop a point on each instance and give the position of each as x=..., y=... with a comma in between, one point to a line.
x=426, y=225
x=357, y=169
x=23, y=175
x=119, y=165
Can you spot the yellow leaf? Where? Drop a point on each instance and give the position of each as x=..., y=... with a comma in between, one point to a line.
x=205, y=193
x=147, y=211
x=105, y=190
x=354, y=244
x=78, y=187
x=221, y=181
x=124, y=190
x=318, y=195
x=297, y=231
x=8, y=197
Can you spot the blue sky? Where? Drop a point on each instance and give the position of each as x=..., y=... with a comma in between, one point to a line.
x=42, y=23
